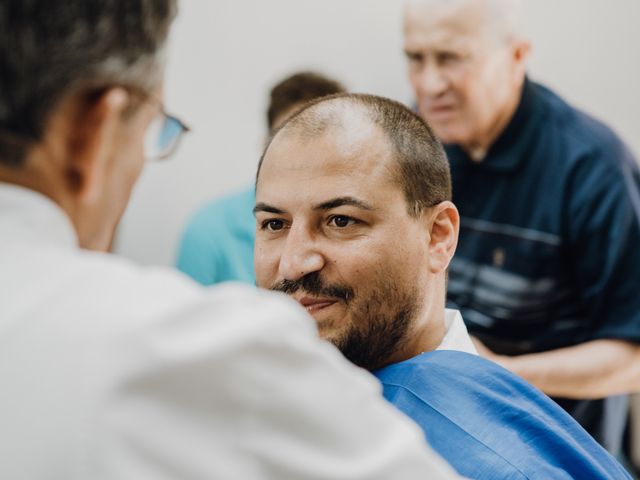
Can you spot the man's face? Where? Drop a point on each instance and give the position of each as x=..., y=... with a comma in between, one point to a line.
x=464, y=76
x=333, y=231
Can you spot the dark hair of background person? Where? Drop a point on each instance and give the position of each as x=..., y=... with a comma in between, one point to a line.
x=423, y=169
x=298, y=89
x=50, y=50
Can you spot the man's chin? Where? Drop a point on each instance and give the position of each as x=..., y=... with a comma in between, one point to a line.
x=446, y=127
x=447, y=133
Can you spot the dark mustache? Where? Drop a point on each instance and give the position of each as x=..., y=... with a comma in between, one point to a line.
x=313, y=284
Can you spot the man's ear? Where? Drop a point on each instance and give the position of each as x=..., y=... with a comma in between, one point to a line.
x=444, y=227
x=521, y=51
x=93, y=137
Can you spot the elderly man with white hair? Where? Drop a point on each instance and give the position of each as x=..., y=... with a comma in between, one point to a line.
x=547, y=271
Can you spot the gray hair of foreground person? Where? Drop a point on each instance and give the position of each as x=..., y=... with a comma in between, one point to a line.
x=422, y=167
x=50, y=50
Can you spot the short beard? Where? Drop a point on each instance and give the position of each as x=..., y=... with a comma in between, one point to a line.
x=376, y=333
x=376, y=338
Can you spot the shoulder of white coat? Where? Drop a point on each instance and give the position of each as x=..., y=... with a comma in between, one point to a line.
x=126, y=289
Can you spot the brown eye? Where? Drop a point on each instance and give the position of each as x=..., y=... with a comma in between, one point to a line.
x=341, y=221
x=273, y=225
x=414, y=57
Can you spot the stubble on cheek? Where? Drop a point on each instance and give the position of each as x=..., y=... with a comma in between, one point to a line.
x=378, y=324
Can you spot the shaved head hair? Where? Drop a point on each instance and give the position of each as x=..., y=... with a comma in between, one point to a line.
x=420, y=165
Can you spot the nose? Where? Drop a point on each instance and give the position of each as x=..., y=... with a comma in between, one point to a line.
x=431, y=80
x=300, y=255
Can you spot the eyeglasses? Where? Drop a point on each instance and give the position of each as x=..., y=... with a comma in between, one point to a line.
x=161, y=138
x=165, y=131
x=163, y=135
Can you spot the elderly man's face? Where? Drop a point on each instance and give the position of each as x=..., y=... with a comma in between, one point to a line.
x=333, y=231
x=464, y=76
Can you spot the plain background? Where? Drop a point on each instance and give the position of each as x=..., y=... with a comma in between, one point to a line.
x=224, y=55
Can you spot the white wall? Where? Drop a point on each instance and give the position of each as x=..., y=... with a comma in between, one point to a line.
x=225, y=54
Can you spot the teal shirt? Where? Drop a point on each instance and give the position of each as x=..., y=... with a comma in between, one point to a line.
x=217, y=245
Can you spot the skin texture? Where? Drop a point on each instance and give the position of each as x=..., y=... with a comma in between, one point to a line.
x=88, y=161
x=593, y=370
x=329, y=219
x=467, y=74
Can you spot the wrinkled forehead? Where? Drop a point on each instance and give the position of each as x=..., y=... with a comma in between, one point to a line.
x=449, y=20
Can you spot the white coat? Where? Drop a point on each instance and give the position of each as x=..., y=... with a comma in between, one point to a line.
x=113, y=371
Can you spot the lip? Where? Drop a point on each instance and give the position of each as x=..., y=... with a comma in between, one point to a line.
x=438, y=105
x=441, y=110
x=315, y=304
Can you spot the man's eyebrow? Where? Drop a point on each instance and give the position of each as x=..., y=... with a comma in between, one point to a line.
x=263, y=207
x=342, y=201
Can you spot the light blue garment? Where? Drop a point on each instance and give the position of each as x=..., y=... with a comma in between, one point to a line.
x=217, y=245
x=490, y=424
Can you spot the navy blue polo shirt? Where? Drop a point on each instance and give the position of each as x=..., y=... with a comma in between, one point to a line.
x=549, y=249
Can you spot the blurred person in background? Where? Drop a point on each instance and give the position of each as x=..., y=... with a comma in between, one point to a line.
x=114, y=371
x=217, y=244
x=547, y=271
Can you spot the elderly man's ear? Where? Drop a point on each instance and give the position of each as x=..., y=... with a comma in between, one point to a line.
x=68, y=164
x=96, y=141
x=444, y=224
x=83, y=138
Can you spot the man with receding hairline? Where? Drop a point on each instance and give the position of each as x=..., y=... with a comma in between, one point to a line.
x=354, y=222
x=418, y=288
x=546, y=273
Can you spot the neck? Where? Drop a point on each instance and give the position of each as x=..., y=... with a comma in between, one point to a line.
x=427, y=336
x=34, y=178
x=477, y=150
x=42, y=177
x=426, y=333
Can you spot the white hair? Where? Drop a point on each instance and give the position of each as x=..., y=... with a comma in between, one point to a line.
x=504, y=17
x=507, y=17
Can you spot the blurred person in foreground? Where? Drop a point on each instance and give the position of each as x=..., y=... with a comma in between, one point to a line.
x=110, y=370
x=547, y=270
x=217, y=244
x=354, y=221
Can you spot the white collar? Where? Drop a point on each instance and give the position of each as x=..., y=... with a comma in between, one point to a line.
x=27, y=215
x=456, y=337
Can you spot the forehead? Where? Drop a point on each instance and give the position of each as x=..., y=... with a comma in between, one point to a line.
x=356, y=161
x=452, y=24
